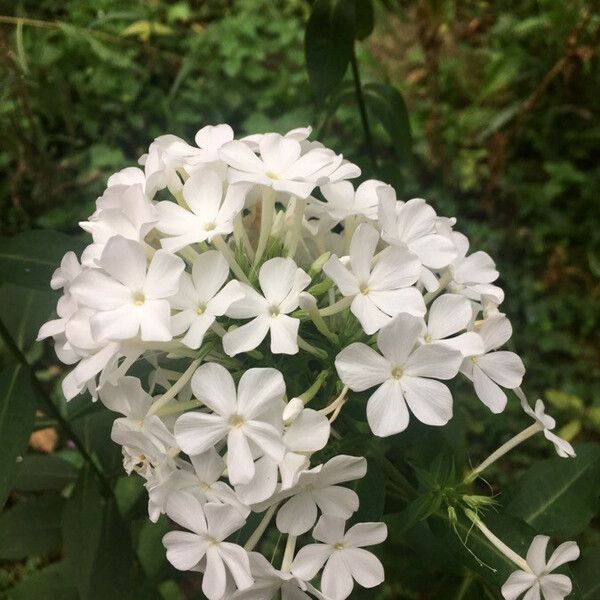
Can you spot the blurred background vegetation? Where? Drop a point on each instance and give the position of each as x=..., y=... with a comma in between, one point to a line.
x=487, y=109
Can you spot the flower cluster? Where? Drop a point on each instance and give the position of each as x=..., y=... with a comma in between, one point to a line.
x=212, y=264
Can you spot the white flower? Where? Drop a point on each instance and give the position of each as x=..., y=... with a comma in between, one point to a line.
x=492, y=369
x=473, y=275
x=69, y=269
x=242, y=417
x=539, y=582
x=210, y=139
x=562, y=447
x=343, y=201
x=449, y=314
x=318, y=487
x=381, y=292
x=280, y=165
x=281, y=282
x=200, y=300
x=210, y=212
x=413, y=224
x=268, y=581
x=202, y=477
x=343, y=555
x=129, y=298
x=209, y=526
x=129, y=398
x=405, y=374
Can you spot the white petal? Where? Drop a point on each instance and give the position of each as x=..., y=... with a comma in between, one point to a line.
x=488, y=391
x=429, y=400
x=267, y=438
x=240, y=466
x=435, y=251
x=213, y=385
x=202, y=192
x=448, y=314
x=284, y=334
x=197, y=326
x=495, y=332
x=505, y=368
x=362, y=248
x=250, y=305
x=208, y=466
x=297, y=515
x=163, y=275
x=336, y=581
x=240, y=156
x=366, y=534
x=555, y=587
x=155, y=321
x=276, y=277
x=365, y=567
x=119, y=324
x=369, y=316
x=329, y=529
x=387, y=412
x=209, y=272
x=396, y=268
x=308, y=433
x=468, y=343
x=215, y=578
x=476, y=268
x=247, y=337
x=433, y=360
x=516, y=584
x=263, y=484
x=278, y=152
x=99, y=291
x=124, y=260
x=196, y=432
x=393, y=302
x=186, y=510
x=223, y=520
x=566, y=552
x=258, y=390
x=562, y=447
x=310, y=560
x=184, y=550
x=342, y=468
x=236, y=559
x=360, y=367
x=337, y=501
x=341, y=276
x=221, y=302
x=399, y=337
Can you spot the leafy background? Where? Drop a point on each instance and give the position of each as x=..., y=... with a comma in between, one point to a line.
x=487, y=109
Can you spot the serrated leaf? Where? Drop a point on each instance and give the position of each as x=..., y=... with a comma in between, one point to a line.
x=31, y=527
x=328, y=44
x=559, y=496
x=30, y=258
x=17, y=410
x=40, y=472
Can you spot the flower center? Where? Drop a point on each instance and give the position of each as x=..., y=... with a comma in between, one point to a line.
x=397, y=372
x=427, y=339
x=236, y=421
x=203, y=485
x=338, y=546
x=200, y=309
x=364, y=289
x=474, y=360
x=272, y=175
x=274, y=311
x=139, y=298
x=209, y=226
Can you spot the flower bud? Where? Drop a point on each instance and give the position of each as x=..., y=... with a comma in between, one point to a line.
x=307, y=302
x=292, y=409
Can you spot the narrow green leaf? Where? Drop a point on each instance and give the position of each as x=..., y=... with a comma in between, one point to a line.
x=559, y=496
x=371, y=492
x=328, y=44
x=31, y=527
x=365, y=18
x=44, y=472
x=387, y=104
x=17, y=411
x=30, y=258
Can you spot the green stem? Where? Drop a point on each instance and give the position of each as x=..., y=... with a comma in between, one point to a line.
x=53, y=411
x=362, y=107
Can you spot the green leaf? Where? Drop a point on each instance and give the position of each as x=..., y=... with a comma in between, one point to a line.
x=559, y=496
x=365, y=19
x=98, y=550
x=388, y=105
x=150, y=548
x=17, y=411
x=24, y=310
x=585, y=573
x=31, y=527
x=44, y=472
x=47, y=583
x=371, y=493
x=328, y=44
x=30, y=258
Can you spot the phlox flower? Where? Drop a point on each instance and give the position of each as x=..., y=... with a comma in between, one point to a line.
x=209, y=526
x=406, y=374
x=343, y=556
x=201, y=299
x=494, y=368
x=211, y=211
x=242, y=417
x=281, y=282
x=130, y=298
x=380, y=292
x=540, y=582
